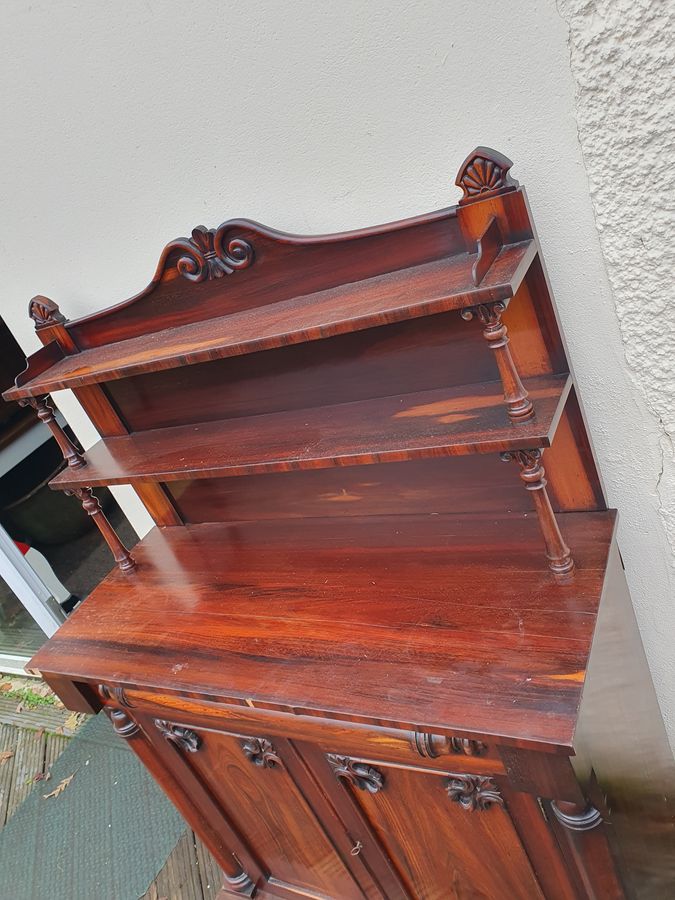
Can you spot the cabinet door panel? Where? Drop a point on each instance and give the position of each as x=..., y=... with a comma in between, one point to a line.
x=449, y=834
x=249, y=780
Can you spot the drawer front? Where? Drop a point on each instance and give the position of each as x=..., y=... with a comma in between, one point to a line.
x=411, y=746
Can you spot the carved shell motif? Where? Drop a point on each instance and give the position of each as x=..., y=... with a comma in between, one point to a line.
x=474, y=791
x=484, y=172
x=44, y=311
x=205, y=255
x=361, y=775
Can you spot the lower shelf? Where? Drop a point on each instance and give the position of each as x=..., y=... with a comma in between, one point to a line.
x=446, y=621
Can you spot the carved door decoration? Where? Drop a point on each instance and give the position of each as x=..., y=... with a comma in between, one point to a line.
x=448, y=834
x=249, y=779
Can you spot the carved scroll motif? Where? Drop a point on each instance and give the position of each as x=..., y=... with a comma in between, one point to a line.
x=474, y=791
x=206, y=256
x=261, y=753
x=182, y=737
x=484, y=173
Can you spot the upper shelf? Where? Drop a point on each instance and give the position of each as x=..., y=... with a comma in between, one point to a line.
x=420, y=290
x=451, y=421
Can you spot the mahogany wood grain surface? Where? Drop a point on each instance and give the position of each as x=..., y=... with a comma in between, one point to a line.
x=393, y=297
x=439, y=620
x=443, y=422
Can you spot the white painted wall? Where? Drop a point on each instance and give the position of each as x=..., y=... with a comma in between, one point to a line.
x=125, y=124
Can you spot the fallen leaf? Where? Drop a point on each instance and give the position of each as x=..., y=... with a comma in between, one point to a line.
x=6, y=686
x=59, y=704
x=60, y=787
x=72, y=723
x=5, y=755
x=19, y=708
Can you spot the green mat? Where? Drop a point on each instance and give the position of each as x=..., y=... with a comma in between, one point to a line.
x=105, y=837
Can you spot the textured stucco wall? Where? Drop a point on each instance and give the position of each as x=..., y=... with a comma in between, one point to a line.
x=125, y=124
x=622, y=55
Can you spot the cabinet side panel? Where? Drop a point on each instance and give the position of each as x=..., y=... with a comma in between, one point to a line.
x=571, y=473
x=621, y=737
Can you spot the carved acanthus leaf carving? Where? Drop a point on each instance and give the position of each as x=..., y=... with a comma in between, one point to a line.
x=44, y=312
x=182, y=737
x=474, y=791
x=361, y=775
x=261, y=752
x=205, y=255
x=483, y=173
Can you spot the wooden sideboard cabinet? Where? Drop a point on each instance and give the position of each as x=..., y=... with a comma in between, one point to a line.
x=379, y=643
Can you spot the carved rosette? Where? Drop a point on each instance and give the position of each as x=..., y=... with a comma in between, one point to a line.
x=123, y=724
x=115, y=693
x=45, y=312
x=431, y=746
x=361, y=775
x=261, y=752
x=474, y=792
x=484, y=173
x=181, y=737
x=207, y=255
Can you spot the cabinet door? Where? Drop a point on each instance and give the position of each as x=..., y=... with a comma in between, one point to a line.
x=261, y=791
x=449, y=834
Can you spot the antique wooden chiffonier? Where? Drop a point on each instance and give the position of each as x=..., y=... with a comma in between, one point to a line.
x=370, y=649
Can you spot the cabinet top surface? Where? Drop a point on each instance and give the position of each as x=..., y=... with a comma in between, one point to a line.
x=444, y=621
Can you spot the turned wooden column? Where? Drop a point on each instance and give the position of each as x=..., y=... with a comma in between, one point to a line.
x=45, y=414
x=92, y=507
x=518, y=404
x=532, y=473
x=237, y=880
x=586, y=842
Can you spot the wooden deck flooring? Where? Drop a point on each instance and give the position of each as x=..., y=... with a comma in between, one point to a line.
x=190, y=872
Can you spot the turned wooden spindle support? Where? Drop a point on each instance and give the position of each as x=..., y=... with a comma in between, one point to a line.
x=45, y=413
x=92, y=507
x=518, y=404
x=532, y=473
